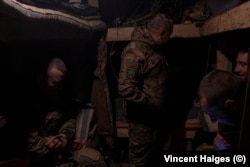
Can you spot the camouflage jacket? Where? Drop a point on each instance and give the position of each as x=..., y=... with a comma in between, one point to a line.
x=143, y=73
x=38, y=138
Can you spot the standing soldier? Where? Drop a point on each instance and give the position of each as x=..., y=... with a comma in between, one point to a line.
x=142, y=84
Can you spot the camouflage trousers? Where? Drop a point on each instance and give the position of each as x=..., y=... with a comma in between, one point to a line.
x=142, y=146
x=85, y=157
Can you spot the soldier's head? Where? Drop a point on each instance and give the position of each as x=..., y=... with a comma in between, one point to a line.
x=56, y=73
x=219, y=92
x=160, y=27
x=241, y=68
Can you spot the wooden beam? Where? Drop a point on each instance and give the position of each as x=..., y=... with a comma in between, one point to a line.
x=119, y=34
x=180, y=31
x=234, y=19
x=185, y=31
x=222, y=54
x=222, y=62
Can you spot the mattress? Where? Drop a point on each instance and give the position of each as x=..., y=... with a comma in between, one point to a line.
x=21, y=10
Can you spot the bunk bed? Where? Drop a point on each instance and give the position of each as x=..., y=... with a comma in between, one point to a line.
x=24, y=21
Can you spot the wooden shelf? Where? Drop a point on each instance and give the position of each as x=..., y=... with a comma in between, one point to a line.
x=236, y=18
x=180, y=30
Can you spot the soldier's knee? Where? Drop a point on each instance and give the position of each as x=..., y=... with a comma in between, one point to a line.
x=89, y=157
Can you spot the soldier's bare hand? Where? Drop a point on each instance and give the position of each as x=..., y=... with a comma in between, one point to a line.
x=57, y=143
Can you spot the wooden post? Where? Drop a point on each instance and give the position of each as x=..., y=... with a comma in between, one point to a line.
x=222, y=62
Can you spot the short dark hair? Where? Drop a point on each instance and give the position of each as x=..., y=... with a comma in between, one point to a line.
x=242, y=49
x=159, y=21
x=58, y=64
x=218, y=86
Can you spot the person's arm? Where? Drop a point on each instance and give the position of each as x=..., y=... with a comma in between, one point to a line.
x=37, y=144
x=68, y=129
x=129, y=78
x=220, y=142
x=45, y=145
x=52, y=144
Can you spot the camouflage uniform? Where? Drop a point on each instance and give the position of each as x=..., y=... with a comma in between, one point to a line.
x=56, y=115
x=142, y=83
x=43, y=157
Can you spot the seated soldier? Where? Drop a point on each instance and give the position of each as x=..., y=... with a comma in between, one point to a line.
x=221, y=97
x=52, y=141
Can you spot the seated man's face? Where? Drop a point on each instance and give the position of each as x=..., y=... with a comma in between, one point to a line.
x=241, y=67
x=55, y=78
x=216, y=112
x=210, y=110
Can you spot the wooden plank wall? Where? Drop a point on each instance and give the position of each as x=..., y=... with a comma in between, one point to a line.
x=234, y=19
x=180, y=30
